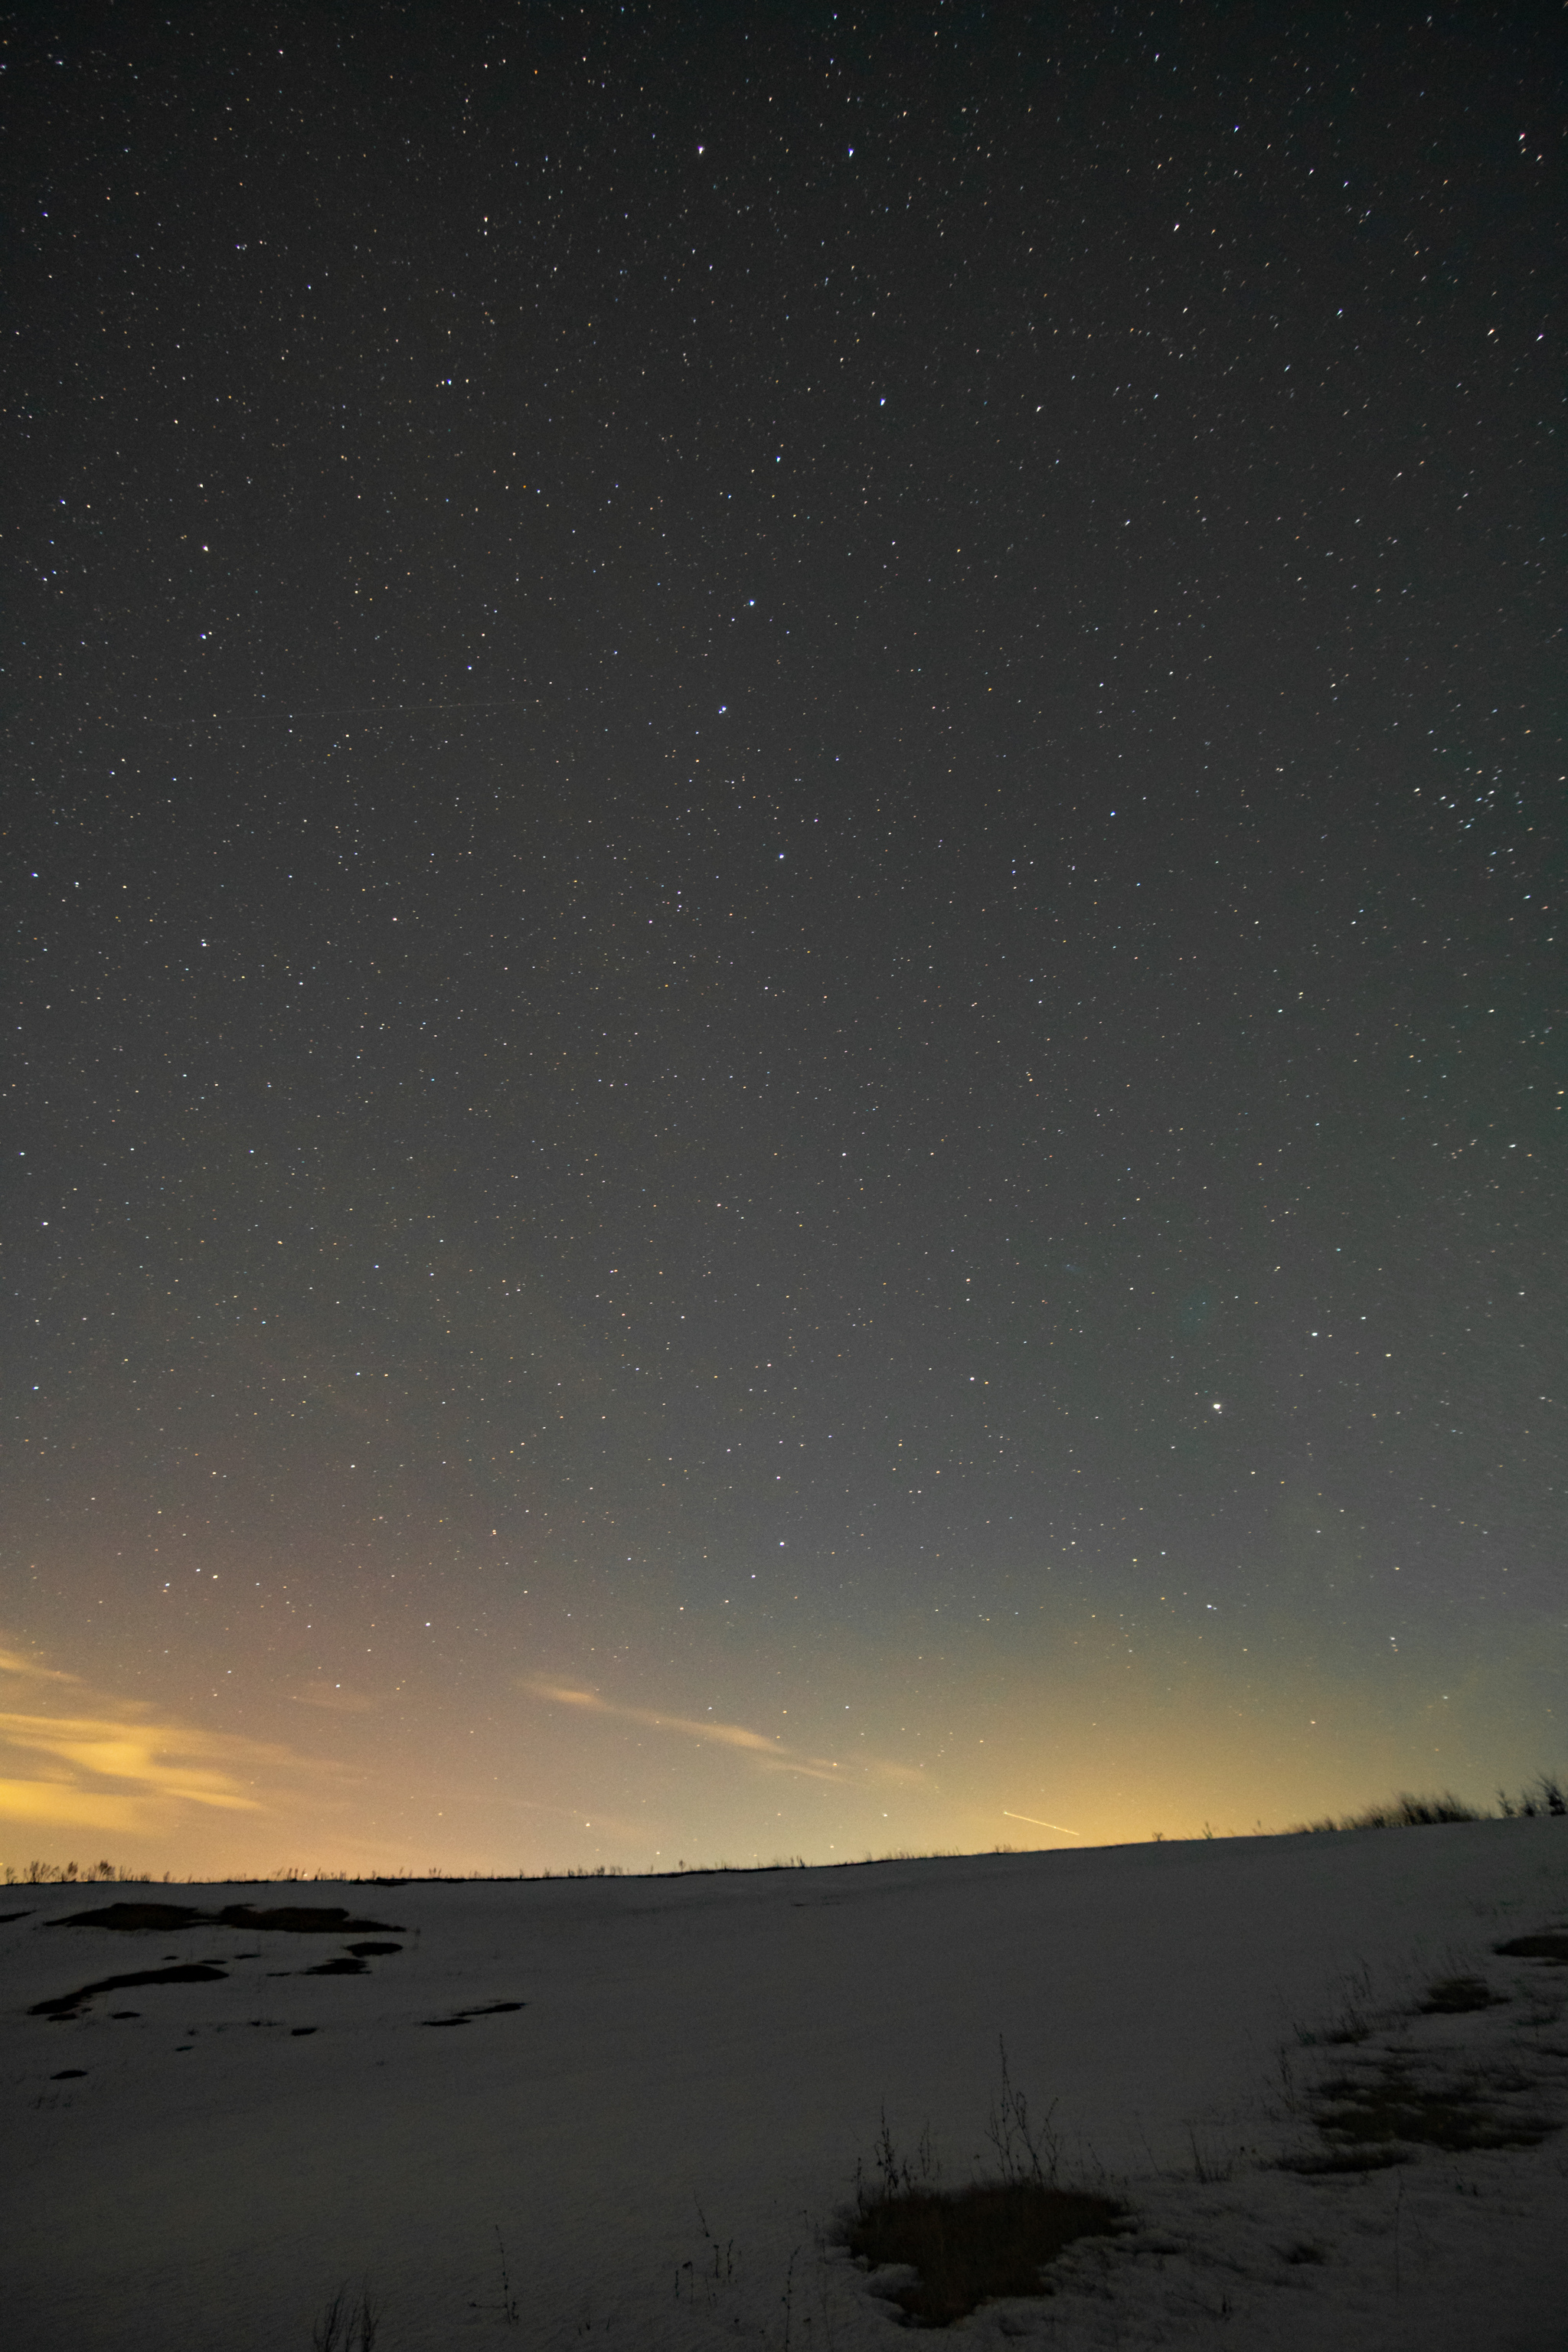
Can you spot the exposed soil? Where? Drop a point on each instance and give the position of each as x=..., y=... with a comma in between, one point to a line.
x=1452, y=1996
x=305, y=1919
x=461, y=2016
x=1375, y=2110
x=71, y=2004
x=1346, y=2160
x=1550, y=1946
x=289, y=1918
x=135, y=1914
x=969, y=2244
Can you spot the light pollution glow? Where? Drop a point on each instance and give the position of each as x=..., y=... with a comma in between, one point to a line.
x=544, y=1774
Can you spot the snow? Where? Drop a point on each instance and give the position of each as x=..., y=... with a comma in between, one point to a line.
x=661, y=2136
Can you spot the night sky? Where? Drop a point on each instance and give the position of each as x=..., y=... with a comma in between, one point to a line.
x=784, y=843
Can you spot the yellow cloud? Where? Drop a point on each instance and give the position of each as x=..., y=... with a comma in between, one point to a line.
x=155, y=1760
x=101, y=1763
x=13, y=1662
x=55, y=1803
x=771, y=1754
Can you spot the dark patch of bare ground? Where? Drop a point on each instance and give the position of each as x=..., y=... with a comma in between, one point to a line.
x=971, y=2244
x=352, y=1963
x=1455, y=1996
x=305, y=1919
x=1386, y=2108
x=1550, y=1945
x=71, y=2004
x=132, y=1916
x=1382, y=2116
x=288, y=1920
x=461, y=2016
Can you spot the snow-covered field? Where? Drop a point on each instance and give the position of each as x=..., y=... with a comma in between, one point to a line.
x=661, y=2134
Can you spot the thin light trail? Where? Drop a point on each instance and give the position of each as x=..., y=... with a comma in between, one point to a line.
x=1037, y=1824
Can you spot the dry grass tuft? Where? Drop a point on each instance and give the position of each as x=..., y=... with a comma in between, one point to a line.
x=991, y=2238
x=969, y=2245
x=350, y=2323
x=1401, y=1812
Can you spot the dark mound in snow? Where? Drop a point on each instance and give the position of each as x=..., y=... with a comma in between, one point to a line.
x=71, y=2004
x=289, y=1918
x=1551, y=1946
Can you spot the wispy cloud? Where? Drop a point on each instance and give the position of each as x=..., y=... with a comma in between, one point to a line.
x=151, y=1759
x=57, y=1804
x=12, y=1662
x=105, y=1764
x=771, y=1754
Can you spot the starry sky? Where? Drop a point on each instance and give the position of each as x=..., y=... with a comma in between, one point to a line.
x=785, y=852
